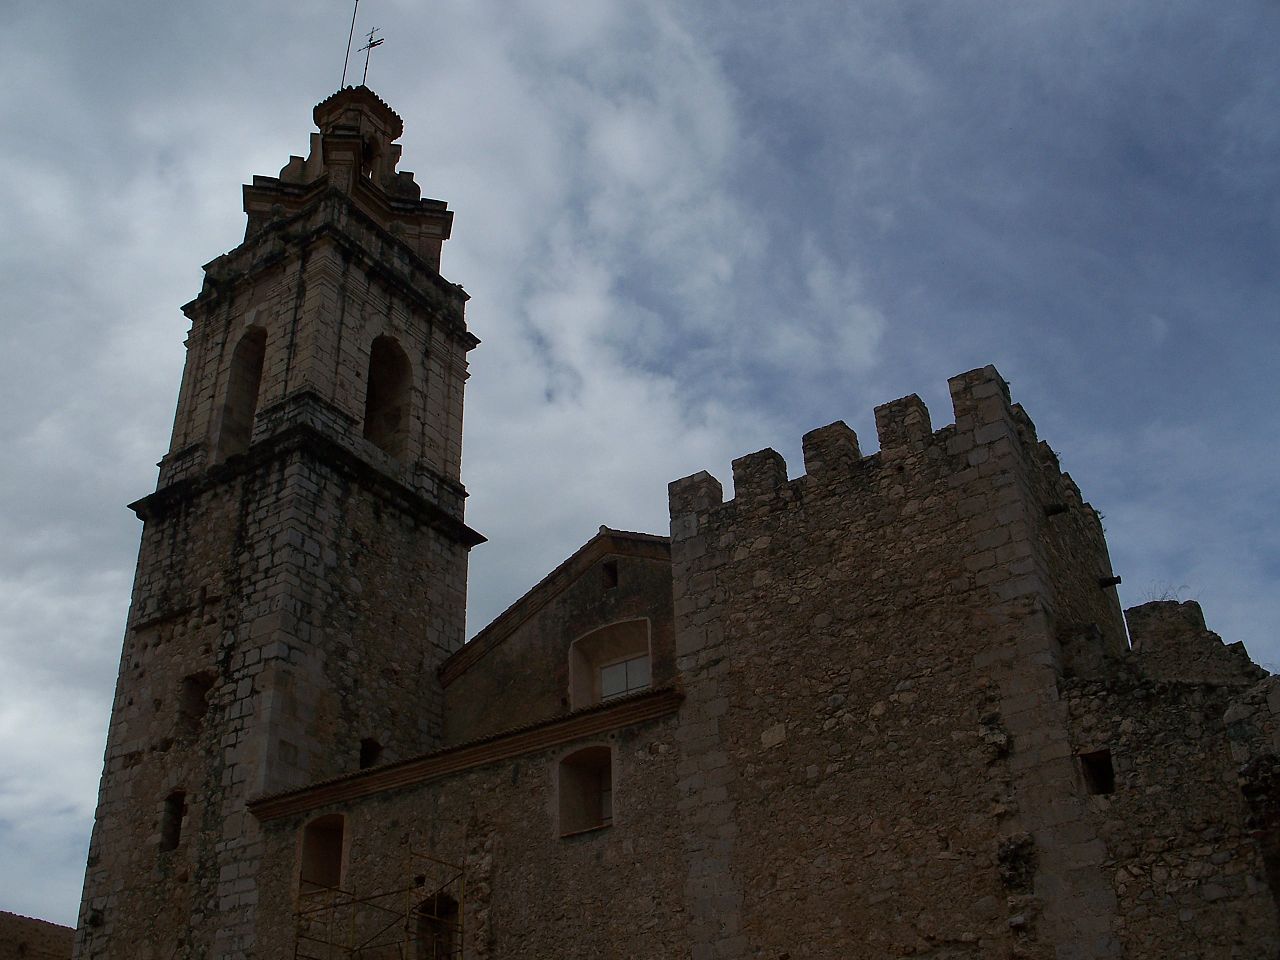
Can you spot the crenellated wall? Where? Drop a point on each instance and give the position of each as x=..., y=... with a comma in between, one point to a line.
x=871, y=659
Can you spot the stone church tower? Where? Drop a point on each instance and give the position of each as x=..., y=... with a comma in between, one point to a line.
x=303, y=564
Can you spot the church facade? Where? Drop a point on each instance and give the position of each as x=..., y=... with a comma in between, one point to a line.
x=890, y=708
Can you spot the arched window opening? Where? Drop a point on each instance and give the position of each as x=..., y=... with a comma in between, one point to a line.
x=321, y=861
x=386, y=405
x=437, y=935
x=586, y=790
x=610, y=662
x=241, y=404
x=175, y=811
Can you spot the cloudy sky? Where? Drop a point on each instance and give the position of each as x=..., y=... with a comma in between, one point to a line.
x=690, y=230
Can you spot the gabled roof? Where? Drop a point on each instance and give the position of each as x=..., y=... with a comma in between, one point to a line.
x=606, y=543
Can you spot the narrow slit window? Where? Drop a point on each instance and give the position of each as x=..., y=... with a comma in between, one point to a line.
x=1098, y=772
x=610, y=571
x=175, y=811
x=193, y=701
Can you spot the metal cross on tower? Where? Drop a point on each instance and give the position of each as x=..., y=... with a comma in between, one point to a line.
x=368, y=49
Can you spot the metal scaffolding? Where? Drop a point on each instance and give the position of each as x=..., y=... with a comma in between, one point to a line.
x=422, y=920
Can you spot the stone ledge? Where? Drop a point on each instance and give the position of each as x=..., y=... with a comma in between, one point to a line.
x=503, y=746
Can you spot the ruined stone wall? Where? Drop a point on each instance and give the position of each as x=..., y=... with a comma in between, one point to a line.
x=23, y=938
x=517, y=670
x=614, y=892
x=874, y=758
x=1072, y=548
x=1187, y=873
x=1171, y=642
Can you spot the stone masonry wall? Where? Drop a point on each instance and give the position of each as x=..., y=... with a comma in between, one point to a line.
x=323, y=297
x=524, y=676
x=874, y=758
x=1188, y=875
x=320, y=611
x=609, y=894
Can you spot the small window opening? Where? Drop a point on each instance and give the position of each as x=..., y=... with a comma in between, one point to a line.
x=437, y=928
x=370, y=753
x=586, y=790
x=609, y=662
x=1099, y=774
x=193, y=701
x=610, y=568
x=386, y=405
x=175, y=811
x=626, y=676
x=241, y=404
x=321, y=867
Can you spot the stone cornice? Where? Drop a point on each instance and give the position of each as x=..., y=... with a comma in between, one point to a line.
x=591, y=722
x=321, y=217
x=303, y=437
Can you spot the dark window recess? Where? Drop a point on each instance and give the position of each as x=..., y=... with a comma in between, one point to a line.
x=1099, y=774
x=175, y=810
x=586, y=790
x=241, y=403
x=321, y=867
x=370, y=753
x=437, y=925
x=386, y=405
x=193, y=701
x=610, y=568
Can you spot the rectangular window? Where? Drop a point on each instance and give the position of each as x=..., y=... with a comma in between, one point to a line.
x=623, y=677
x=1099, y=774
x=586, y=790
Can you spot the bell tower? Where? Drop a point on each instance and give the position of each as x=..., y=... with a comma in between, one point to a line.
x=303, y=563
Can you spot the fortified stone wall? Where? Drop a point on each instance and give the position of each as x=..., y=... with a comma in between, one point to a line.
x=870, y=663
x=516, y=670
x=1187, y=870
